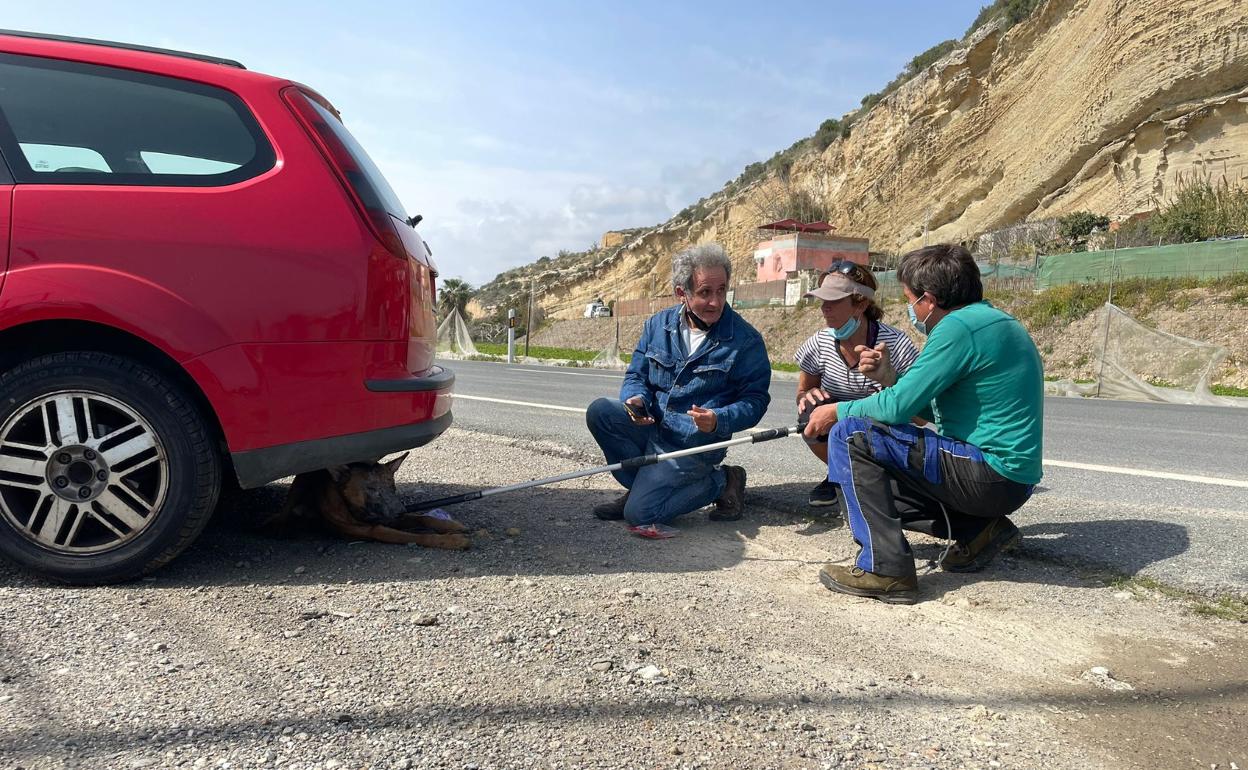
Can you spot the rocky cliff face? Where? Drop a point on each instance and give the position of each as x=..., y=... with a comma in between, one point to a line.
x=1090, y=104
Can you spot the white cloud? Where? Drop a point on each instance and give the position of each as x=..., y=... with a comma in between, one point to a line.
x=482, y=237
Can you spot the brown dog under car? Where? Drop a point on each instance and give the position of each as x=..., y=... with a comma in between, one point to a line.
x=360, y=501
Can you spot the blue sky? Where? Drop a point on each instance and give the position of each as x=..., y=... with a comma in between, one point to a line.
x=519, y=129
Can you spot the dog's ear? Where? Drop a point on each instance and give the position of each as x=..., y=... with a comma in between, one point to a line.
x=394, y=464
x=339, y=473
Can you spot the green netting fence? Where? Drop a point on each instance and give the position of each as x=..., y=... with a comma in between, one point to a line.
x=1209, y=259
x=995, y=276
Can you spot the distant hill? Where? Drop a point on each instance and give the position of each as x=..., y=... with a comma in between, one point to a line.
x=1043, y=109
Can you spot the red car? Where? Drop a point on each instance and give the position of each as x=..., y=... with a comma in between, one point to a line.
x=206, y=283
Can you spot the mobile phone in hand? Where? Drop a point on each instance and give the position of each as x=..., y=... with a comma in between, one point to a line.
x=634, y=411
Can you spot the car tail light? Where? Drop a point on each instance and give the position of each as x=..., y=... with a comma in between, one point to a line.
x=356, y=179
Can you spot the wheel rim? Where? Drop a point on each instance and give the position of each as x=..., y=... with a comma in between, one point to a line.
x=80, y=473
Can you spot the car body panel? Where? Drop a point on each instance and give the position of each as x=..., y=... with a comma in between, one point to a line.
x=273, y=294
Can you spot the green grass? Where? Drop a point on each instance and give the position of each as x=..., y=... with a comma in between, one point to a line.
x=537, y=351
x=1228, y=390
x=1222, y=607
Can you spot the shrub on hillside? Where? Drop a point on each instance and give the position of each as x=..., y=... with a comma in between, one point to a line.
x=931, y=56
x=829, y=131
x=1073, y=229
x=1200, y=210
x=1013, y=11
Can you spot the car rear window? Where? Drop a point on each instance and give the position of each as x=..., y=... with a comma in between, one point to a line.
x=65, y=122
x=380, y=188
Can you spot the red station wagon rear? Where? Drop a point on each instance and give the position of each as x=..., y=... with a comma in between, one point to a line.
x=206, y=283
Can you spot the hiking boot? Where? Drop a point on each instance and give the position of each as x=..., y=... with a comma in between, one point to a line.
x=612, y=511
x=824, y=494
x=856, y=581
x=1000, y=535
x=731, y=503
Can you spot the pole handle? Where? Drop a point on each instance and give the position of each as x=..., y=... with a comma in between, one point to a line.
x=637, y=462
x=771, y=433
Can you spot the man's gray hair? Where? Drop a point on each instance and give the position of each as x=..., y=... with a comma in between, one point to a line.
x=706, y=256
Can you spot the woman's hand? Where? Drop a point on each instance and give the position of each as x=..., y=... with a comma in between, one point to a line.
x=808, y=399
x=821, y=421
x=705, y=419
x=875, y=364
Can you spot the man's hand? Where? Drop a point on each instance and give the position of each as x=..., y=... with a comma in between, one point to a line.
x=810, y=398
x=636, y=406
x=821, y=421
x=705, y=419
x=875, y=364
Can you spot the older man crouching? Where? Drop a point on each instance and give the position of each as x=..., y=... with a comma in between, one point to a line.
x=699, y=374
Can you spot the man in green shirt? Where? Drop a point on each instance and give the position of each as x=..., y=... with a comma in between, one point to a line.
x=979, y=379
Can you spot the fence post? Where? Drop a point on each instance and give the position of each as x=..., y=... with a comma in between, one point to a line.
x=511, y=335
x=1113, y=267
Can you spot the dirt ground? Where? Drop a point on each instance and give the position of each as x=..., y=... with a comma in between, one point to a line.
x=560, y=641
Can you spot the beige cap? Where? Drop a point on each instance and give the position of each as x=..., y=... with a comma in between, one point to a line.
x=838, y=286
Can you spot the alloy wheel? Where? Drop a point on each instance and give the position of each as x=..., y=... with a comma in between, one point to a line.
x=80, y=472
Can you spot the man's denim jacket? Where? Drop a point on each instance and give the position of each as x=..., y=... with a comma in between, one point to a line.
x=729, y=374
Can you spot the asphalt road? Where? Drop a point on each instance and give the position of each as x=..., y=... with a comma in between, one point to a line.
x=1140, y=489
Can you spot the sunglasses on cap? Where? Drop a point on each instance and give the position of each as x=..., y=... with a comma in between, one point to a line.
x=842, y=266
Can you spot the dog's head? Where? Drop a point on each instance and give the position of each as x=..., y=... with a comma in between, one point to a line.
x=369, y=489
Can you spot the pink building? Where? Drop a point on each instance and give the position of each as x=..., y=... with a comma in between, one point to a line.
x=797, y=247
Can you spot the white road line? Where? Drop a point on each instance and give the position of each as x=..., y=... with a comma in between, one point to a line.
x=558, y=370
x=576, y=409
x=553, y=370
x=1051, y=463
x=1148, y=474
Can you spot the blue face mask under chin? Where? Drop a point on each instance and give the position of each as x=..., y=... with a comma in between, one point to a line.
x=919, y=326
x=844, y=331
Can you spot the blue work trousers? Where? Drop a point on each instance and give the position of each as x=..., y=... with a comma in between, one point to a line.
x=895, y=475
x=657, y=493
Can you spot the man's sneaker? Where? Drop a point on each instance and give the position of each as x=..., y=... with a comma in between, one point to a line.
x=1000, y=535
x=731, y=502
x=612, y=511
x=856, y=581
x=824, y=494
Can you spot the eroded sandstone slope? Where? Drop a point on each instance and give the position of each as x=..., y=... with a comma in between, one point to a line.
x=1089, y=104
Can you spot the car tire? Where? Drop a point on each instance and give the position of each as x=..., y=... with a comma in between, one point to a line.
x=107, y=469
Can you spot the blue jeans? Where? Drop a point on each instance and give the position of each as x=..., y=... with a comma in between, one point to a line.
x=657, y=493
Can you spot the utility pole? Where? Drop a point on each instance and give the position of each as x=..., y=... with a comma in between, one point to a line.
x=528, y=321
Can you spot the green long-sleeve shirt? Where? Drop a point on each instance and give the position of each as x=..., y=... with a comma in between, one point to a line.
x=980, y=377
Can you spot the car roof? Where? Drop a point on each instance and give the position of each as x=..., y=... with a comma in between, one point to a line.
x=126, y=46
x=160, y=61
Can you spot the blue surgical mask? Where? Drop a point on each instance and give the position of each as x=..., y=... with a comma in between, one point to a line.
x=919, y=326
x=844, y=331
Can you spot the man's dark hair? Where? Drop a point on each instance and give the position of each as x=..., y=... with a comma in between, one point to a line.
x=947, y=271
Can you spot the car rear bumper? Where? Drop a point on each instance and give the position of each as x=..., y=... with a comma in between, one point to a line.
x=257, y=467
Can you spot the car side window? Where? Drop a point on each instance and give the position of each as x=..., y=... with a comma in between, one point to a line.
x=72, y=123
x=52, y=157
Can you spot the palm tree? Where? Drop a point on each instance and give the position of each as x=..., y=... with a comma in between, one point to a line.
x=454, y=295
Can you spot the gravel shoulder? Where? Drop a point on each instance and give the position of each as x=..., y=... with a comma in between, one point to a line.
x=567, y=643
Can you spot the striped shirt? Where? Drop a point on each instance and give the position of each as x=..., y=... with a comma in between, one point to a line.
x=820, y=356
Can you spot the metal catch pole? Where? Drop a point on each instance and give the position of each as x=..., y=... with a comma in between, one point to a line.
x=632, y=462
